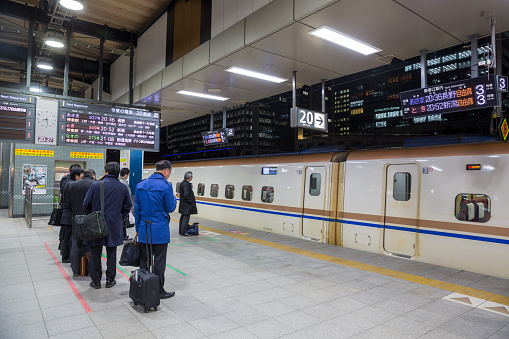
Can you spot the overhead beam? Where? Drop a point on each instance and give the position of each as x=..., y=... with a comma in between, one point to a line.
x=26, y=12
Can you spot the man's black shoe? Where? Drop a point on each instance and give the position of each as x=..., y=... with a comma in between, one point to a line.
x=75, y=275
x=110, y=283
x=184, y=235
x=166, y=295
x=94, y=285
x=66, y=261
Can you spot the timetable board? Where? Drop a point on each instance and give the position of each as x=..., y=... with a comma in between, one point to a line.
x=105, y=126
x=451, y=97
x=215, y=137
x=17, y=118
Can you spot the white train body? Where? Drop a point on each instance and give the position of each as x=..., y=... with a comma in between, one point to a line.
x=421, y=204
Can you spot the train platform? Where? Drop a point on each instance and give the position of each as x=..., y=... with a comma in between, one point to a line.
x=234, y=282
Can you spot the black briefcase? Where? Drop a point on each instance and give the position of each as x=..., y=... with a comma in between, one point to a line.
x=130, y=253
x=55, y=217
x=93, y=225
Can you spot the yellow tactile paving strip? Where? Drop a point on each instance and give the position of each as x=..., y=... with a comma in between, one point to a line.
x=371, y=268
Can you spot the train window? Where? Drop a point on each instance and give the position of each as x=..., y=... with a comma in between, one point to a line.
x=229, y=191
x=402, y=184
x=177, y=188
x=247, y=193
x=472, y=207
x=267, y=194
x=214, y=190
x=201, y=190
x=315, y=181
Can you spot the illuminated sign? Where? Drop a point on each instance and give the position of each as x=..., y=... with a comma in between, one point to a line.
x=473, y=167
x=451, y=97
x=108, y=127
x=17, y=118
x=216, y=137
x=504, y=129
x=304, y=118
x=269, y=170
x=501, y=83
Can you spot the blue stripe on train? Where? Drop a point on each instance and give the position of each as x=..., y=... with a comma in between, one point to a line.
x=366, y=224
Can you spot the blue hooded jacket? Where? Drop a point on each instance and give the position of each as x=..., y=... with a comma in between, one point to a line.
x=154, y=201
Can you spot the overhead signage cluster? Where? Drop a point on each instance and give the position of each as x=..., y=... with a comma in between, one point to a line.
x=17, y=117
x=455, y=96
x=110, y=127
x=305, y=118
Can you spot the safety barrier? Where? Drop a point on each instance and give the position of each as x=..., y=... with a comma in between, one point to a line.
x=29, y=192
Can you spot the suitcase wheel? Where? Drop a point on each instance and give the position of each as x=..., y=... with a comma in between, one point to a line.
x=135, y=303
x=145, y=310
x=155, y=308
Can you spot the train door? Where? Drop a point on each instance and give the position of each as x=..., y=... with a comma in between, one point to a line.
x=314, y=202
x=401, y=209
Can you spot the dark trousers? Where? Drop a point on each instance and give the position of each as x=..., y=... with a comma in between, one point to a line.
x=95, y=263
x=159, y=252
x=78, y=249
x=184, y=223
x=65, y=249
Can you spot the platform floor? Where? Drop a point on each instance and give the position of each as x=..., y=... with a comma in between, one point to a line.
x=233, y=282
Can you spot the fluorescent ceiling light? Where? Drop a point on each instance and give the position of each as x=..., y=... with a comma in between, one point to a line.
x=45, y=62
x=36, y=90
x=207, y=96
x=75, y=5
x=344, y=40
x=253, y=74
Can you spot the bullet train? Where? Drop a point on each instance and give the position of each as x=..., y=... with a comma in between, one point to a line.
x=444, y=205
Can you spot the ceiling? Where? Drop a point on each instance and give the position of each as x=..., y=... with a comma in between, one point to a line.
x=400, y=28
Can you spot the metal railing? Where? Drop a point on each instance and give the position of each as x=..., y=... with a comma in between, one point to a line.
x=29, y=193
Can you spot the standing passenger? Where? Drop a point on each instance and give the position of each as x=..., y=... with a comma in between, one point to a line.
x=154, y=201
x=124, y=175
x=76, y=172
x=117, y=203
x=187, y=204
x=75, y=195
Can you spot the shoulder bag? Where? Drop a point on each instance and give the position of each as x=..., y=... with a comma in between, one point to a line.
x=93, y=225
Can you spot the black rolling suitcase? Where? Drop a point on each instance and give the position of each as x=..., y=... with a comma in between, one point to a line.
x=144, y=284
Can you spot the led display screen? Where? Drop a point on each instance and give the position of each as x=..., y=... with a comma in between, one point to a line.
x=17, y=117
x=450, y=97
x=106, y=126
x=215, y=137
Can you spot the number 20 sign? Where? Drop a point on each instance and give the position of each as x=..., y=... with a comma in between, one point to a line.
x=304, y=118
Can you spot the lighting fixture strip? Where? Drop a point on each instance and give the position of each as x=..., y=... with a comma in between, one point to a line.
x=206, y=96
x=344, y=40
x=254, y=74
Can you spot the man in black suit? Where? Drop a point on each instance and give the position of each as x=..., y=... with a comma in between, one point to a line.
x=187, y=205
x=75, y=195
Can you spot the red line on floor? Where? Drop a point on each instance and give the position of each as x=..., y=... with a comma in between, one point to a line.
x=69, y=281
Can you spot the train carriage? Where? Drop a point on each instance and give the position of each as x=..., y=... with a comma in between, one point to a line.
x=442, y=205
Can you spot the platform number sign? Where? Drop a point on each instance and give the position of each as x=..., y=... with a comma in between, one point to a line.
x=502, y=83
x=504, y=129
x=304, y=118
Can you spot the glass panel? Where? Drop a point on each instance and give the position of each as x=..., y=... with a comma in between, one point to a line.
x=201, y=189
x=247, y=193
x=315, y=181
x=402, y=184
x=267, y=194
x=214, y=190
x=472, y=207
x=229, y=191
x=178, y=187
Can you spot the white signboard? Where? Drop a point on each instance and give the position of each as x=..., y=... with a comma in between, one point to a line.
x=304, y=118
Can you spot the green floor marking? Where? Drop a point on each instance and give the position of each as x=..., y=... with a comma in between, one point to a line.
x=173, y=268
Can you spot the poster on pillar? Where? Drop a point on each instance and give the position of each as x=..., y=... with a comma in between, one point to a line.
x=35, y=176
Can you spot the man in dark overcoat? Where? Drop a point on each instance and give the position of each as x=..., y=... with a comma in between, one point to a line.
x=75, y=173
x=117, y=204
x=75, y=195
x=187, y=205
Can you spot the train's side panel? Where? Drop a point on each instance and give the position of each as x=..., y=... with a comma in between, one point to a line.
x=285, y=215
x=479, y=244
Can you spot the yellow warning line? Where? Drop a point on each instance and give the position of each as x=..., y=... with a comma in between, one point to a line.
x=472, y=292
x=50, y=228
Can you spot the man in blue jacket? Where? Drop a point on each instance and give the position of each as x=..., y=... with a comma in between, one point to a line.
x=117, y=204
x=154, y=201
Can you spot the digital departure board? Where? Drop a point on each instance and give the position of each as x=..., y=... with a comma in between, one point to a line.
x=216, y=137
x=17, y=117
x=456, y=96
x=105, y=126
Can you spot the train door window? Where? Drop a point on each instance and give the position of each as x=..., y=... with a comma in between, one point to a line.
x=247, y=192
x=201, y=190
x=214, y=190
x=315, y=181
x=229, y=191
x=402, y=184
x=472, y=207
x=267, y=194
x=178, y=187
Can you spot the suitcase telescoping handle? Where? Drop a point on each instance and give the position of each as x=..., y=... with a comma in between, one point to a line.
x=150, y=264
